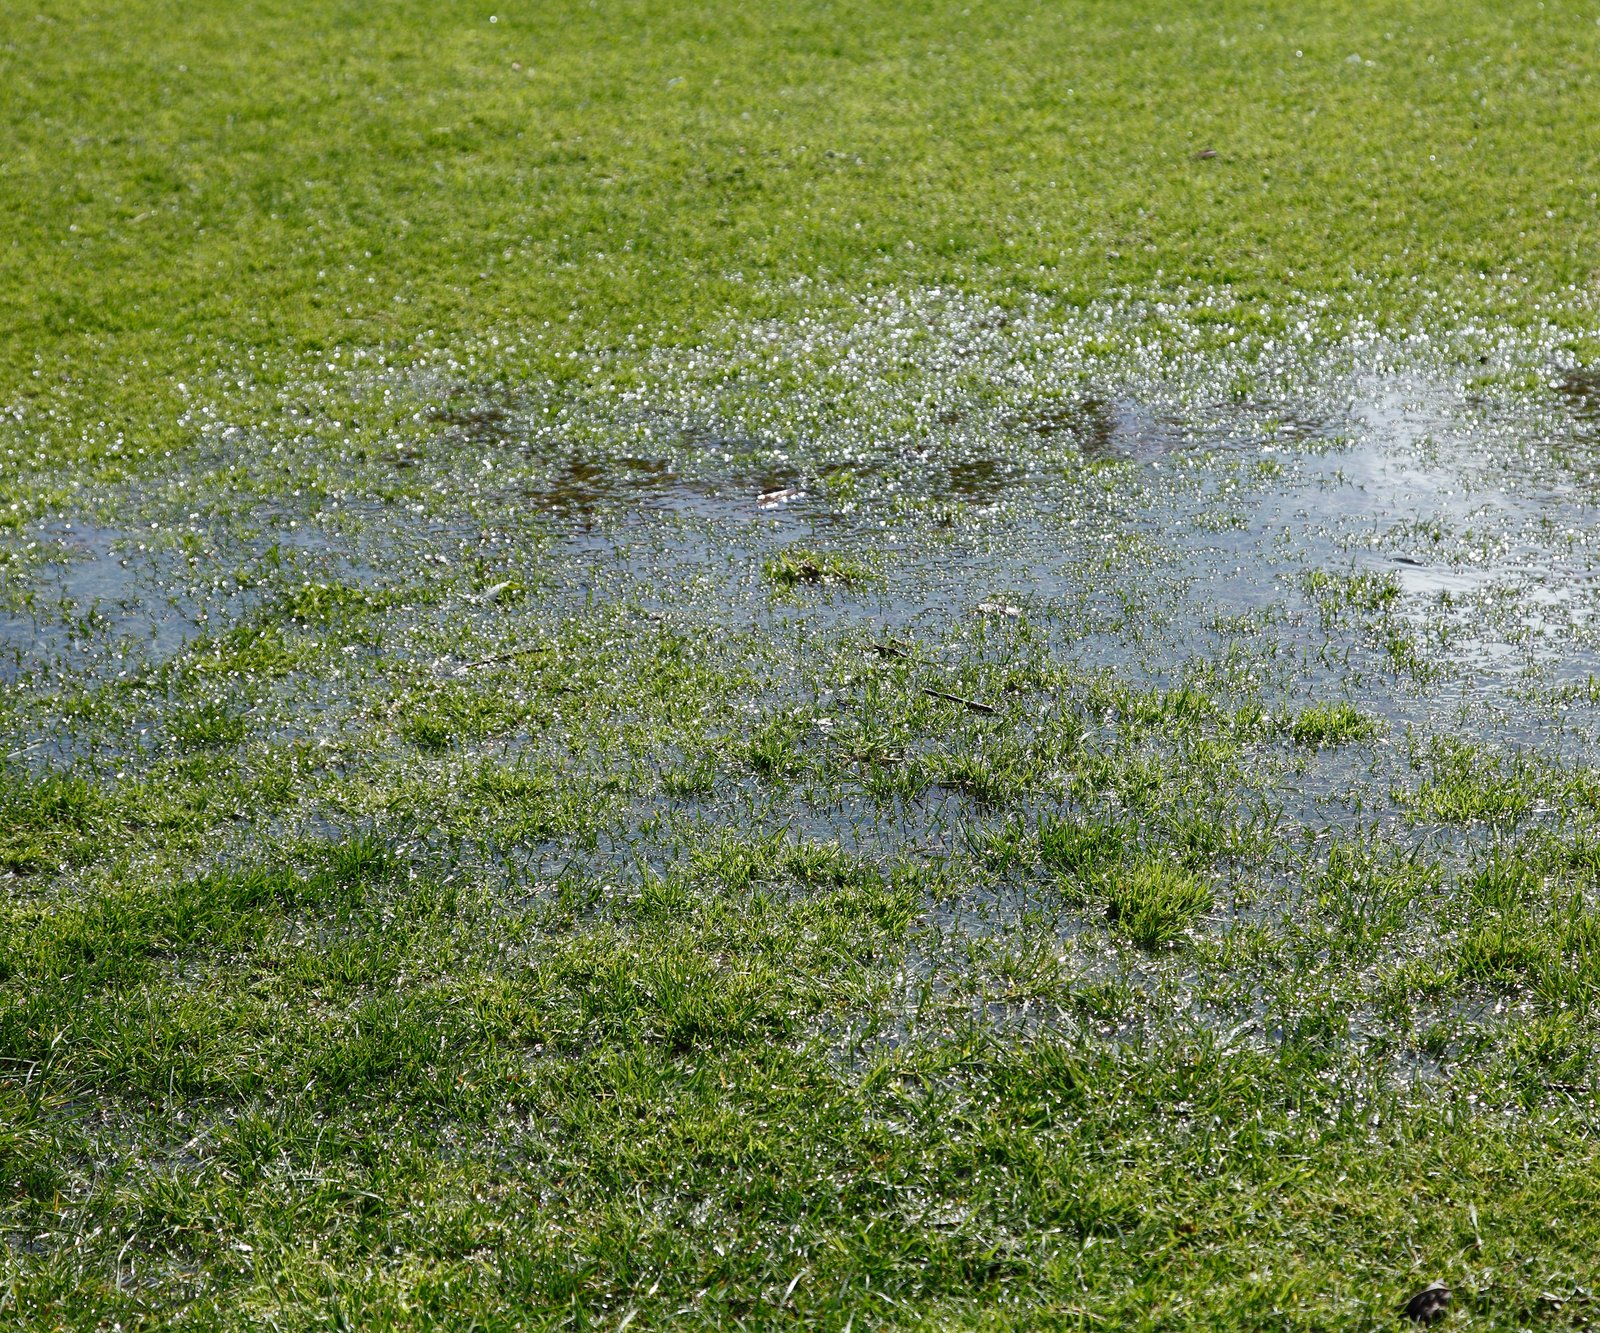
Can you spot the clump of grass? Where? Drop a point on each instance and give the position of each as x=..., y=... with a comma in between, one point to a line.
x=1466, y=785
x=772, y=749
x=208, y=726
x=332, y=603
x=1504, y=885
x=450, y=715
x=1080, y=847
x=1330, y=724
x=40, y=816
x=1360, y=594
x=1156, y=902
x=252, y=649
x=1363, y=592
x=1501, y=952
x=995, y=775
x=1547, y=1049
x=788, y=569
x=1409, y=656
x=1185, y=706
x=1368, y=894
x=696, y=778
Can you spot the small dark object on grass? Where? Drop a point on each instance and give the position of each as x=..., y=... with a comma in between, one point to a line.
x=1205, y=153
x=977, y=706
x=1429, y=1305
x=889, y=648
x=499, y=658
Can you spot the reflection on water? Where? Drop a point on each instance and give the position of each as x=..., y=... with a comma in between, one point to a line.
x=1224, y=513
x=1581, y=390
x=95, y=587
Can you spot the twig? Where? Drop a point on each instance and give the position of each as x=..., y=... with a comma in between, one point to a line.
x=501, y=657
x=975, y=705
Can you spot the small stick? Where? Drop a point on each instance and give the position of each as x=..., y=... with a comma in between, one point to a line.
x=889, y=649
x=501, y=657
x=975, y=705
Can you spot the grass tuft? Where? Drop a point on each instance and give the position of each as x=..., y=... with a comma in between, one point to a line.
x=1324, y=725
x=1155, y=903
x=789, y=569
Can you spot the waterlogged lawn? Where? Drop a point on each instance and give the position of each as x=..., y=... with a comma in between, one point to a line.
x=821, y=667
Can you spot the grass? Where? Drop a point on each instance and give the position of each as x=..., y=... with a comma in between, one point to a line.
x=789, y=569
x=1155, y=903
x=1465, y=783
x=1363, y=591
x=274, y=202
x=483, y=843
x=44, y=817
x=1329, y=724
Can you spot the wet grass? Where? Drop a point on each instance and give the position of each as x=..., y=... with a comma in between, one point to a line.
x=1330, y=724
x=432, y=1061
x=836, y=668
x=789, y=569
x=1155, y=903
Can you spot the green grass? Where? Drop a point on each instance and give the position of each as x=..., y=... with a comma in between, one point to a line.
x=471, y=857
x=43, y=817
x=1329, y=724
x=1465, y=784
x=789, y=569
x=234, y=195
x=1155, y=903
x=1364, y=591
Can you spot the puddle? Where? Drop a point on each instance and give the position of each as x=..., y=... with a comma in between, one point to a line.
x=97, y=594
x=1107, y=428
x=1403, y=487
x=1382, y=540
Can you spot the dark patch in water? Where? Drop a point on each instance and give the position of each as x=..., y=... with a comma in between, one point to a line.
x=1581, y=390
x=982, y=480
x=1105, y=428
x=579, y=488
x=480, y=418
x=588, y=488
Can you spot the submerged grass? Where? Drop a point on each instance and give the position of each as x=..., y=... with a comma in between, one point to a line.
x=456, y=870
